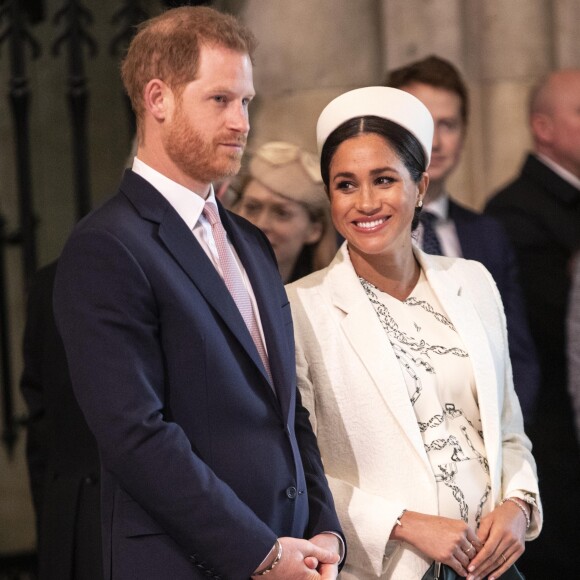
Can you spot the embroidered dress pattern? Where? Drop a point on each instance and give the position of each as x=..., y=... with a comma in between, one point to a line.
x=440, y=384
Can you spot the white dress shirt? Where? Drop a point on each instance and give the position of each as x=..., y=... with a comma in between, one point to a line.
x=559, y=170
x=444, y=227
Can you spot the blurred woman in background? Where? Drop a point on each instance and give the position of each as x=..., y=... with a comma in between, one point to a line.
x=284, y=196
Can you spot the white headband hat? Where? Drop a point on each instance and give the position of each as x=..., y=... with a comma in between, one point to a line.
x=393, y=104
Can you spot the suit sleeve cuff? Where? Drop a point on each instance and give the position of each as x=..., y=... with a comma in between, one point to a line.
x=341, y=546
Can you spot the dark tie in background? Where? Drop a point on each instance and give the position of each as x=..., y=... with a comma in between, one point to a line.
x=431, y=243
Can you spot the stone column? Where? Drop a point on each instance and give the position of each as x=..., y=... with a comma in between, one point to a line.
x=309, y=52
x=502, y=48
x=511, y=45
x=415, y=29
x=565, y=33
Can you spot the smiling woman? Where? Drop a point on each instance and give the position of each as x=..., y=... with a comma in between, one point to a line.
x=376, y=190
x=402, y=362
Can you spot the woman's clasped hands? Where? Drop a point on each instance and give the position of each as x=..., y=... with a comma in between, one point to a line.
x=503, y=533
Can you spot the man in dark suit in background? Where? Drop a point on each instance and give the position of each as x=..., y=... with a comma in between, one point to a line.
x=61, y=452
x=450, y=229
x=541, y=213
x=179, y=337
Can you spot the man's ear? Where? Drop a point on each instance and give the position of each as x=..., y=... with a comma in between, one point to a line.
x=158, y=99
x=542, y=127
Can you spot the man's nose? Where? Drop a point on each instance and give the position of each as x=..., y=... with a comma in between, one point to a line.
x=239, y=119
x=436, y=138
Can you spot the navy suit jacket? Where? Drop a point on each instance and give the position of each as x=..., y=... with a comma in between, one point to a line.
x=204, y=464
x=541, y=213
x=482, y=238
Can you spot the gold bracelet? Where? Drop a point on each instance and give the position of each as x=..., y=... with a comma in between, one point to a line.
x=274, y=563
x=524, y=510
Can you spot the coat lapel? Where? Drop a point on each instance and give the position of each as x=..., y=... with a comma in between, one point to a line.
x=462, y=312
x=187, y=252
x=370, y=342
x=257, y=266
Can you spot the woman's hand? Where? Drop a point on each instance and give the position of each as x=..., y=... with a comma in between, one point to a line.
x=503, y=533
x=448, y=541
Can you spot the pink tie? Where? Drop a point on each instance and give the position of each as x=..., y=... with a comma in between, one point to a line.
x=233, y=279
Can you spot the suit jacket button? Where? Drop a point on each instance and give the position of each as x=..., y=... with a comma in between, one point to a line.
x=291, y=492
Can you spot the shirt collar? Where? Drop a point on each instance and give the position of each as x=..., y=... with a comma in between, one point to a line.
x=559, y=170
x=185, y=202
x=439, y=207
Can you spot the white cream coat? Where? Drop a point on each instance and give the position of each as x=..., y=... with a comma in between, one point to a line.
x=359, y=406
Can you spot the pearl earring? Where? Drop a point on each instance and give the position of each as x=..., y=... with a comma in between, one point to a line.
x=420, y=203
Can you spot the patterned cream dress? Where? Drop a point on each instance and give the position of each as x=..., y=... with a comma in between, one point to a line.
x=441, y=387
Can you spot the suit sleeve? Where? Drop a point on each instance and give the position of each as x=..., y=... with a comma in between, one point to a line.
x=107, y=313
x=524, y=359
x=574, y=345
x=322, y=512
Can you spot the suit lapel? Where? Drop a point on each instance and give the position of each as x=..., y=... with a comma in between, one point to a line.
x=537, y=171
x=470, y=245
x=257, y=266
x=187, y=252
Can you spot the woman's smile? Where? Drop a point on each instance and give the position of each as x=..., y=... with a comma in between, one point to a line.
x=371, y=225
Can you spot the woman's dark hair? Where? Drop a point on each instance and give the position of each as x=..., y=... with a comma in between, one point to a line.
x=405, y=144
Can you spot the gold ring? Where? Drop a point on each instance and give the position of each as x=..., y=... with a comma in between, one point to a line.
x=504, y=558
x=469, y=549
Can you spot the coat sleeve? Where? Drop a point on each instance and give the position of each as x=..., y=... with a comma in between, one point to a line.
x=366, y=518
x=107, y=313
x=322, y=511
x=518, y=465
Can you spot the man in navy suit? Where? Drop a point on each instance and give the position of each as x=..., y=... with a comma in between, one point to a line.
x=457, y=231
x=209, y=464
x=540, y=210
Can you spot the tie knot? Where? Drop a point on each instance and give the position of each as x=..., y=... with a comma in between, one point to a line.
x=427, y=217
x=430, y=243
x=210, y=211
